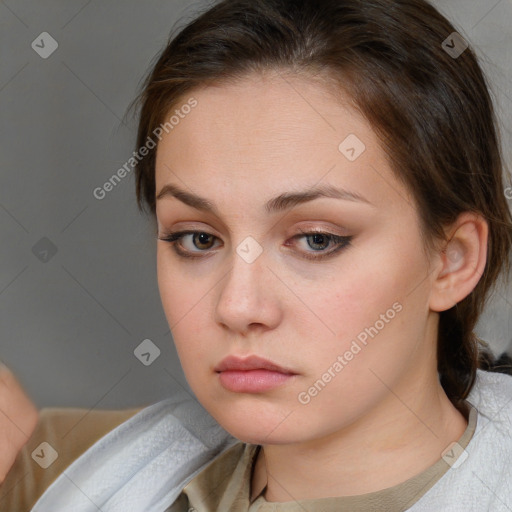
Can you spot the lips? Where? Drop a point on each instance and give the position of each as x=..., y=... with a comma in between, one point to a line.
x=252, y=374
x=233, y=363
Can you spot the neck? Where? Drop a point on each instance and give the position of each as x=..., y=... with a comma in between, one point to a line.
x=393, y=442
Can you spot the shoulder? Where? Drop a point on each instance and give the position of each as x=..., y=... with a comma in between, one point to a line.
x=480, y=478
x=61, y=436
x=492, y=440
x=492, y=396
x=148, y=458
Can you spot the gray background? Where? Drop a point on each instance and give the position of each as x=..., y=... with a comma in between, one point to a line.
x=69, y=325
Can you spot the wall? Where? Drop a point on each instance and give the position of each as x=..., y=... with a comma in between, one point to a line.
x=78, y=291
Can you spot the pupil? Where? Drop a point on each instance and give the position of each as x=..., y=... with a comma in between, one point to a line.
x=202, y=237
x=316, y=238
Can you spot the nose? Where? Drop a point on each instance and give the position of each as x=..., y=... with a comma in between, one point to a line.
x=248, y=295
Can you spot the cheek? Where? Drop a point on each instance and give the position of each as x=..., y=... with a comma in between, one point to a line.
x=368, y=303
x=184, y=300
x=181, y=291
x=354, y=297
x=176, y=297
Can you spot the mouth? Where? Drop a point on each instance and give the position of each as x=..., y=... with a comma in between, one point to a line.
x=252, y=374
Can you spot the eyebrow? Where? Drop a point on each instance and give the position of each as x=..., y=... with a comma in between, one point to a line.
x=279, y=203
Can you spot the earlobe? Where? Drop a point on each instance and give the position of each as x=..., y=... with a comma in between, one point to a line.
x=462, y=260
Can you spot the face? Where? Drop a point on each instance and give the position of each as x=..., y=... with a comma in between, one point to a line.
x=333, y=291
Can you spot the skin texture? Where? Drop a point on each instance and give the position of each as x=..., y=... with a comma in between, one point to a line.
x=384, y=417
x=18, y=419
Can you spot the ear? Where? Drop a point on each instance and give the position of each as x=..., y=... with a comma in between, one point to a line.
x=461, y=261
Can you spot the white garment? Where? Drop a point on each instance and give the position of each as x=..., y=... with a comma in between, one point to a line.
x=144, y=463
x=483, y=480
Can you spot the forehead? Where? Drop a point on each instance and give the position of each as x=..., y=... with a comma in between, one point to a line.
x=268, y=133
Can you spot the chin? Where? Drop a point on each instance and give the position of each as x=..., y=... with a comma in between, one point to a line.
x=249, y=434
x=255, y=427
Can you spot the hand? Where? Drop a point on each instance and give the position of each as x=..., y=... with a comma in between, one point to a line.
x=18, y=419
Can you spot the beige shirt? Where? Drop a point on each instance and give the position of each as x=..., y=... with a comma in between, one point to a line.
x=70, y=432
x=226, y=485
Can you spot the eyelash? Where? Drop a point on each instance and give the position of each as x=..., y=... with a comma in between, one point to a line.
x=342, y=241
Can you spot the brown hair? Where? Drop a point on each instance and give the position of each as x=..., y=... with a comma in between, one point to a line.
x=432, y=111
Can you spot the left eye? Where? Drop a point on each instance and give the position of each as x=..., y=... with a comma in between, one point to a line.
x=318, y=238
x=320, y=241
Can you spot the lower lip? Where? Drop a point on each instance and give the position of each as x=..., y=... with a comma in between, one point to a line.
x=252, y=381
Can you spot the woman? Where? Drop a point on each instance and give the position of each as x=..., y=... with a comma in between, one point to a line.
x=326, y=183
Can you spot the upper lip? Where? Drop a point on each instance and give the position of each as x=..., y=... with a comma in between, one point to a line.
x=249, y=363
